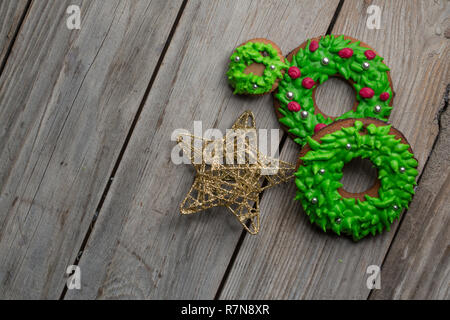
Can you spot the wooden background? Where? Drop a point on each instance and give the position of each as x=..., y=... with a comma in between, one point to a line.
x=86, y=178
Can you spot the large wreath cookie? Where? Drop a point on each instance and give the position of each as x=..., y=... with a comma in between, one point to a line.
x=312, y=63
x=320, y=168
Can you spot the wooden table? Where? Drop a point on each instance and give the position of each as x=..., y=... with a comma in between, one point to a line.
x=86, y=178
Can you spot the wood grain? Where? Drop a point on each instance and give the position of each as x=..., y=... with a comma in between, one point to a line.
x=10, y=16
x=67, y=99
x=141, y=247
x=418, y=263
x=292, y=259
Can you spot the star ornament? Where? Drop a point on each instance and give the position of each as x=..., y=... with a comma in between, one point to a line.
x=232, y=172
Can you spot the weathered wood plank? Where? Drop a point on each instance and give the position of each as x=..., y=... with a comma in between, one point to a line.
x=10, y=15
x=141, y=247
x=293, y=259
x=418, y=263
x=67, y=101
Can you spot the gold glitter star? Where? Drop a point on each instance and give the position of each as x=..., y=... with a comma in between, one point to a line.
x=238, y=185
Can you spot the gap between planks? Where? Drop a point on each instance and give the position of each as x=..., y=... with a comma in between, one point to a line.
x=13, y=39
x=281, y=146
x=402, y=217
x=420, y=147
x=127, y=139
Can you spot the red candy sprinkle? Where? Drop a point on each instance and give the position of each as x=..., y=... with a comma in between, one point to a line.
x=345, y=53
x=370, y=54
x=384, y=96
x=319, y=126
x=366, y=93
x=294, y=72
x=308, y=83
x=294, y=106
x=313, y=46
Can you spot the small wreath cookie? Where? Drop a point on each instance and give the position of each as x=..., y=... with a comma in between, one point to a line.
x=320, y=167
x=312, y=63
x=256, y=67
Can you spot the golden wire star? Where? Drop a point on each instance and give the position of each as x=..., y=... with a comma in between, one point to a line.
x=238, y=185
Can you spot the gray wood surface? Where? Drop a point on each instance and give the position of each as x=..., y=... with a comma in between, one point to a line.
x=11, y=13
x=418, y=265
x=292, y=259
x=141, y=247
x=68, y=99
x=77, y=107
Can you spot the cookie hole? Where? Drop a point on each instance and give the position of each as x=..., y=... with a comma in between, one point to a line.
x=255, y=68
x=334, y=97
x=359, y=176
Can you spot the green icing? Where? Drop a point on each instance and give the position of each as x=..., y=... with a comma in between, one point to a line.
x=356, y=218
x=309, y=63
x=250, y=53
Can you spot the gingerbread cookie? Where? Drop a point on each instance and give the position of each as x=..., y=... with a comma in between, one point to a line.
x=256, y=67
x=312, y=63
x=320, y=166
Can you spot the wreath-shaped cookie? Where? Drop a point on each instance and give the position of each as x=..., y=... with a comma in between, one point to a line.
x=320, y=168
x=312, y=64
x=256, y=67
